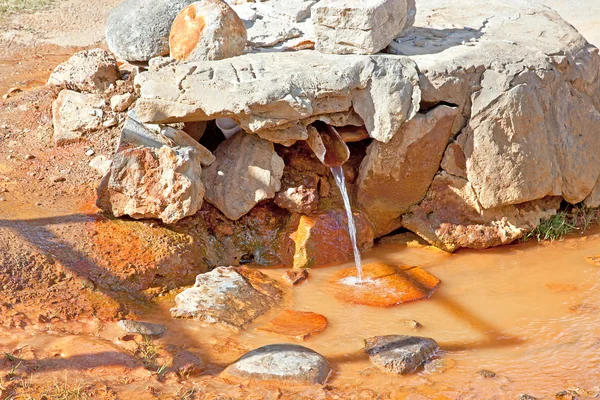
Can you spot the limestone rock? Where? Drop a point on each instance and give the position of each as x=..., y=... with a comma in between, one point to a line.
x=323, y=238
x=246, y=171
x=91, y=70
x=228, y=296
x=280, y=90
x=155, y=173
x=450, y=216
x=365, y=27
x=396, y=175
x=101, y=164
x=300, y=199
x=207, y=30
x=400, y=354
x=286, y=137
x=267, y=33
x=121, y=102
x=137, y=30
x=291, y=10
x=75, y=114
x=530, y=103
x=282, y=363
x=143, y=328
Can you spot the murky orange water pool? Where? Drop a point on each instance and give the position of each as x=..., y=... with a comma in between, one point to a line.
x=528, y=312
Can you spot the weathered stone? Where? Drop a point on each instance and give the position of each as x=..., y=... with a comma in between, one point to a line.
x=294, y=277
x=267, y=33
x=187, y=363
x=257, y=92
x=137, y=30
x=75, y=114
x=383, y=285
x=155, y=173
x=143, y=328
x=195, y=129
x=396, y=175
x=450, y=216
x=121, y=102
x=486, y=373
x=282, y=363
x=246, y=171
x=207, y=30
x=439, y=365
x=87, y=71
x=101, y=164
x=323, y=238
x=300, y=199
x=290, y=10
x=593, y=199
x=454, y=161
x=400, y=354
x=501, y=71
x=228, y=296
x=286, y=137
x=365, y=27
x=298, y=325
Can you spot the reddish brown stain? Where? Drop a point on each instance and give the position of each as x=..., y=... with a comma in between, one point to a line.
x=186, y=32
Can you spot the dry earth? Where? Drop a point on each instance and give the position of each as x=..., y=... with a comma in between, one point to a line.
x=60, y=261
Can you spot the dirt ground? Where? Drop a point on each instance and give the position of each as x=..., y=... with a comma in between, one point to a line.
x=64, y=268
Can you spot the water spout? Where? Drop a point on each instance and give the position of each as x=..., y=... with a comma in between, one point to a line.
x=338, y=174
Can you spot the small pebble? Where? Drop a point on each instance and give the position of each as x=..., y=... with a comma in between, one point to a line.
x=59, y=179
x=486, y=373
x=526, y=397
x=90, y=152
x=294, y=277
x=28, y=156
x=411, y=323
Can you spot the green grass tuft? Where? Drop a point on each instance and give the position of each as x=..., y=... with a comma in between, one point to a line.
x=16, y=6
x=572, y=218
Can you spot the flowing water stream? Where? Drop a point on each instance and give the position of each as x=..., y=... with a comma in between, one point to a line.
x=338, y=173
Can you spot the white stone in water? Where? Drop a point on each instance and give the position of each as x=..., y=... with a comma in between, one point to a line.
x=360, y=27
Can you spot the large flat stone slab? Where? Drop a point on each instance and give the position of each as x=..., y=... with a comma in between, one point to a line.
x=280, y=90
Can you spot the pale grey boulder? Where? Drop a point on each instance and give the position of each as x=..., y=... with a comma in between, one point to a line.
x=289, y=364
x=76, y=114
x=247, y=170
x=137, y=30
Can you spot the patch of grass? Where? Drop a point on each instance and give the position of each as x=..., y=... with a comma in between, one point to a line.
x=147, y=352
x=64, y=391
x=568, y=220
x=16, y=6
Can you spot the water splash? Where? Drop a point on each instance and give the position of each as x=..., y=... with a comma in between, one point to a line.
x=338, y=174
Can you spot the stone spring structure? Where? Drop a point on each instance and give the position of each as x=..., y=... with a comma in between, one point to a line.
x=481, y=120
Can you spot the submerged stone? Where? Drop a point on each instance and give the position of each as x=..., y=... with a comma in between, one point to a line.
x=143, y=328
x=287, y=364
x=228, y=296
x=594, y=260
x=400, y=354
x=294, y=277
x=384, y=285
x=298, y=325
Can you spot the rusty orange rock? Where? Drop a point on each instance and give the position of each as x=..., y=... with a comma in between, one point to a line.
x=207, y=30
x=384, y=285
x=298, y=325
x=323, y=238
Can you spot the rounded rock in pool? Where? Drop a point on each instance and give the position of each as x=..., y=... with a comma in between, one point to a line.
x=288, y=364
